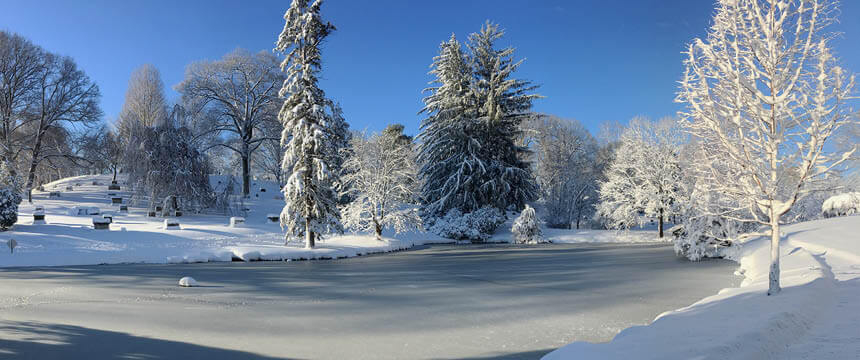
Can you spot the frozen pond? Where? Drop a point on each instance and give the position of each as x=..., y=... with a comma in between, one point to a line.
x=439, y=302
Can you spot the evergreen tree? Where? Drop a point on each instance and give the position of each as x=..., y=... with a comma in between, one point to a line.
x=503, y=103
x=312, y=127
x=10, y=196
x=468, y=151
x=449, y=154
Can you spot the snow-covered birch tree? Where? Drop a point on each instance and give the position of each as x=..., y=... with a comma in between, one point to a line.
x=763, y=94
x=644, y=180
x=380, y=176
x=310, y=132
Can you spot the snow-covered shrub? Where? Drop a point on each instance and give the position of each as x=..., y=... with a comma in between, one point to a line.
x=841, y=205
x=10, y=197
x=706, y=236
x=526, y=227
x=475, y=226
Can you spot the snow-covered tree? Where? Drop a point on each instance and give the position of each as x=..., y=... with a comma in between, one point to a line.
x=242, y=88
x=173, y=168
x=763, y=94
x=381, y=177
x=469, y=153
x=10, y=196
x=502, y=104
x=448, y=150
x=526, y=227
x=644, y=179
x=565, y=168
x=311, y=134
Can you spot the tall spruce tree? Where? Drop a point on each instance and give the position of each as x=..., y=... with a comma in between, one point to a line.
x=449, y=154
x=468, y=152
x=503, y=103
x=310, y=131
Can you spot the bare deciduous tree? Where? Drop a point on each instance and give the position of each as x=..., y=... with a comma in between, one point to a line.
x=241, y=89
x=63, y=95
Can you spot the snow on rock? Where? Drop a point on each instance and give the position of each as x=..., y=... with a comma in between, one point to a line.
x=816, y=312
x=187, y=282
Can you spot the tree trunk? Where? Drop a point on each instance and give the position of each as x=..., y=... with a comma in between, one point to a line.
x=246, y=174
x=660, y=225
x=773, y=276
x=114, y=175
x=309, y=235
x=378, y=228
x=31, y=174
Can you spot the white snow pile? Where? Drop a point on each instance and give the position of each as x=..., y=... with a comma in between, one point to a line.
x=816, y=316
x=187, y=282
x=841, y=205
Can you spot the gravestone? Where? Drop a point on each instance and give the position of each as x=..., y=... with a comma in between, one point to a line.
x=100, y=223
x=236, y=221
x=39, y=215
x=171, y=224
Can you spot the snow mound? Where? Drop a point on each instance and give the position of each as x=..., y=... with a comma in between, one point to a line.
x=187, y=282
x=841, y=205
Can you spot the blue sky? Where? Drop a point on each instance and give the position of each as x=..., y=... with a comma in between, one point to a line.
x=596, y=61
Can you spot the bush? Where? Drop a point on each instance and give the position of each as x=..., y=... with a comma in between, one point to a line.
x=475, y=226
x=526, y=227
x=10, y=197
x=706, y=236
x=9, y=200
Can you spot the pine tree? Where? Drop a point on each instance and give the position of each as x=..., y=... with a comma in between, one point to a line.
x=449, y=154
x=502, y=104
x=526, y=228
x=310, y=131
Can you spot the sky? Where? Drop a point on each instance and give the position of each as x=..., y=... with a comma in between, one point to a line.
x=595, y=61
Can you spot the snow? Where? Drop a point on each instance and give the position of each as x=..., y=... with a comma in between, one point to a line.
x=815, y=316
x=187, y=282
x=842, y=204
x=133, y=237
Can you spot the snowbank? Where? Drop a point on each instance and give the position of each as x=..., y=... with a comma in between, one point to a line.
x=820, y=270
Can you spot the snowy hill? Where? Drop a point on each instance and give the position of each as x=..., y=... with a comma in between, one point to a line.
x=67, y=238
x=816, y=316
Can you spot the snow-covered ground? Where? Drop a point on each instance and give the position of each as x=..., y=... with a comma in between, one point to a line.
x=66, y=239
x=816, y=316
